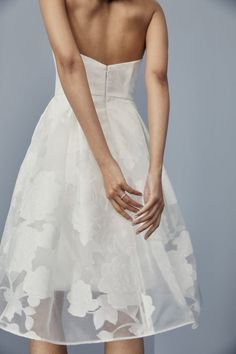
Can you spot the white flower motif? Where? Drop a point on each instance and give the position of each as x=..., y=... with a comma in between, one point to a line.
x=184, y=269
x=80, y=299
x=12, y=327
x=27, y=241
x=105, y=335
x=28, y=319
x=104, y=313
x=32, y=334
x=29, y=323
x=119, y=281
x=137, y=329
x=14, y=305
x=148, y=305
x=37, y=285
x=42, y=197
x=149, y=309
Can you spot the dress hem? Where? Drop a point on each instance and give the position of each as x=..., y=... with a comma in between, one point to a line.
x=147, y=334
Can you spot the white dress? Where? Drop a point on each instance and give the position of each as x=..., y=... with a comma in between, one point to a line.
x=73, y=270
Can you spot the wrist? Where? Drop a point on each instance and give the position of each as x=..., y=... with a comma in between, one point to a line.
x=155, y=170
x=105, y=162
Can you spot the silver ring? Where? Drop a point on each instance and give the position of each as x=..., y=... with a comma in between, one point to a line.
x=123, y=195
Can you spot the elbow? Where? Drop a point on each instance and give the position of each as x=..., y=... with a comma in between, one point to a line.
x=70, y=63
x=161, y=77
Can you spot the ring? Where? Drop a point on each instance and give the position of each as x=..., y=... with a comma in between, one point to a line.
x=123, y=195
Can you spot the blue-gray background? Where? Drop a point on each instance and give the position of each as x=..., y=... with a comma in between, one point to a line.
x=199, y=155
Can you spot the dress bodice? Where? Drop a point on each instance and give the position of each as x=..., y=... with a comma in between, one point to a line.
x=114, y=80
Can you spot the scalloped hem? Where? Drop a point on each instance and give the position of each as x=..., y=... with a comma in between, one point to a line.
x=147, y=334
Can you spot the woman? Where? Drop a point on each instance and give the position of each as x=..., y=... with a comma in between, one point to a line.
x=95, y=248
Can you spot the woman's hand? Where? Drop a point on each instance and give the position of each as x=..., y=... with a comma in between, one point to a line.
x=116, y=188
x=150, y=214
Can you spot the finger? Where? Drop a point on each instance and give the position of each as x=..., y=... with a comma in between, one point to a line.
x=146, y=224
x=153, y=228
x=150, y=231
x=155, y=209
x=146, y=207
x=124, y=205
x=131, y=190
x=148, y=215
x=131, y=201
x=120, y=210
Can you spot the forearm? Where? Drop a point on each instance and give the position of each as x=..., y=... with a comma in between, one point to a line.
x=158, y=104
x=75, y=84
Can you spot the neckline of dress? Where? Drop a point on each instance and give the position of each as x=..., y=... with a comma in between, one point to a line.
x=110, y=65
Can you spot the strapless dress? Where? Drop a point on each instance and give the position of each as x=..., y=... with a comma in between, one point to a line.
x=73, y=270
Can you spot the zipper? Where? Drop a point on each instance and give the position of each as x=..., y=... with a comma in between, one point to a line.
x=106, y=76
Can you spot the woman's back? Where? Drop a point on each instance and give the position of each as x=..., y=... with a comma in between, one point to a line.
x=110, y=31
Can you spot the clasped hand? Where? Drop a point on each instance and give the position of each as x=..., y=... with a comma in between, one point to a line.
x=116, y=187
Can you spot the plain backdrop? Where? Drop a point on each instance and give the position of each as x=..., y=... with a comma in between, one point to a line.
x=199, y=154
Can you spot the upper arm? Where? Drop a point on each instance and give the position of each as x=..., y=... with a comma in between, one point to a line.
x=157, y=44
x=59, y=31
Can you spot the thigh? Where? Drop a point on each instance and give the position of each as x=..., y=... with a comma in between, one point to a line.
x=127, y=346
x=41, y=347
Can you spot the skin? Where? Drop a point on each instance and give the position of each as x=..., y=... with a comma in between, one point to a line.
x=71, y=25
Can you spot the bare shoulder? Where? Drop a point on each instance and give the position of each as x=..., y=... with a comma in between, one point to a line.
x=150, y=11
x=156, y=9
x=158, y=18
